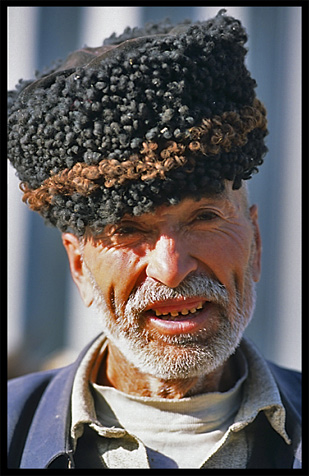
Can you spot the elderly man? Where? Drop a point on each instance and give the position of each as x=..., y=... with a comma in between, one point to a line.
x=138, y=151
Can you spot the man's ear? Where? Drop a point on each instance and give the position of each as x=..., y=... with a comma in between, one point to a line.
x=74, y=251
x=257, y=249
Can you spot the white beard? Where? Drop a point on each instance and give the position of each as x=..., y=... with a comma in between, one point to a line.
x=180, y=356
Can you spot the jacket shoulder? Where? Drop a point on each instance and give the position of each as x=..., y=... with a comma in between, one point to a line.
x=289, y=383
x=21, y=388
x=24, y=394
x=27, y=382
x=35, y=398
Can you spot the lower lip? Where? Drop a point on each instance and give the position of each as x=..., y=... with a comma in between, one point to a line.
x=185, y=324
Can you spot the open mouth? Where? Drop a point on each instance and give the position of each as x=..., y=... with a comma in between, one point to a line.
x=183, y=316
x=177, y=312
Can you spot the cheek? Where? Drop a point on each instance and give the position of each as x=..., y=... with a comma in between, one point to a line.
x=115, y=271
x=226, y=253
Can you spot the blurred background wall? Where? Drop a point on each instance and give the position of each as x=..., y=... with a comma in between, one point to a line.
x=47, y=322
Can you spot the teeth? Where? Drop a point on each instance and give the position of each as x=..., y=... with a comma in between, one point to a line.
x=184, y=311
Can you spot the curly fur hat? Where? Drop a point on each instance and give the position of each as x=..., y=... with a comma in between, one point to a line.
x=149, y=118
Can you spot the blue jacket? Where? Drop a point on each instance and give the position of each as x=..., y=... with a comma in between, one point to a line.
x=39, y=423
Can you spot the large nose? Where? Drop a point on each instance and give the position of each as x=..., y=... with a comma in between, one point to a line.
x=170, y=261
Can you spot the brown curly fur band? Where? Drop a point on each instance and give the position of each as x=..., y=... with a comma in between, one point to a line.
x=212, y=137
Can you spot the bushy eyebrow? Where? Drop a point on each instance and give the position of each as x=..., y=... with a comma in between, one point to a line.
x=221, y=200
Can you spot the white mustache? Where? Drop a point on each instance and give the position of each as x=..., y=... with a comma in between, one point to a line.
x=194, y=285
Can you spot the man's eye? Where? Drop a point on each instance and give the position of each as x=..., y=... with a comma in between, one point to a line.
x=127, y=230
x=207, y=216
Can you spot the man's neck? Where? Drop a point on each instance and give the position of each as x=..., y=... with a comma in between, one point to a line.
x=116, y=371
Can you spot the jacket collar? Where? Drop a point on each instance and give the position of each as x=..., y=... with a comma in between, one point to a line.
x=43, y=448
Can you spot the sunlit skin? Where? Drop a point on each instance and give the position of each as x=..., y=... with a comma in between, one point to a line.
x=217, y=235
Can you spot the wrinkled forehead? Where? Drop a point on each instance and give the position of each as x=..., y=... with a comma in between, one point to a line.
x=228, y=196
x=228, y=200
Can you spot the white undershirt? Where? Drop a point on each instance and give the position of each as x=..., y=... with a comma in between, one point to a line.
x=165, y=426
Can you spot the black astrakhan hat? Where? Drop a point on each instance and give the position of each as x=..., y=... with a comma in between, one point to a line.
x=149, y=118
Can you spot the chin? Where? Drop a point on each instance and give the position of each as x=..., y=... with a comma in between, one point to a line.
x=181, y=356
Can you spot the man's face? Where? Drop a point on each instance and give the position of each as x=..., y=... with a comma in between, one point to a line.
x=175, y=288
